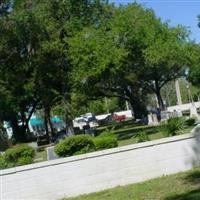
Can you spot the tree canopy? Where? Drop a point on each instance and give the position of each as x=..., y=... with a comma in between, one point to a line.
x=57, y=55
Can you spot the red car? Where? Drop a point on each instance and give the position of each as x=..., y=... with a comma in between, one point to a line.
x=119, y=118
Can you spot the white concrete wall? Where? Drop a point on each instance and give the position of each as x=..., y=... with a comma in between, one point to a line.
x=183, y=107
x=100, y=170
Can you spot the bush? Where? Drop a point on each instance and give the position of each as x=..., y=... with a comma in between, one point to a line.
x=142, y=137
x=75, y=145
x=4, y=141
x=3, y=163
x=106, y=140
x=174, y=126
x=19, y=155
x=190, y=122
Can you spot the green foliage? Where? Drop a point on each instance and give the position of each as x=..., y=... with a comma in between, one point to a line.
x=86, y=149
x=19, y=155
x=174, y=126
x=105, y=140
x=142, y=137
x=75, y=145
x=190, y=122
x=194, y=72
x=24, y=160
x=3, y=139
x=34, y=58
x=3, y=163
x=51, y=50
x=80, y=144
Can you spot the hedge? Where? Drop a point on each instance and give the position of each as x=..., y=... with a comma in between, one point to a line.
x=79, y=144
x=74, y=145
x=106, y=140
x=16, y=156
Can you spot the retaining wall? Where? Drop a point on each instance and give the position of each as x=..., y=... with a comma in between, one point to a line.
x=100, y=170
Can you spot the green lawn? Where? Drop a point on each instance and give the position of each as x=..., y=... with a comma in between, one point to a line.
x=153, y=133
x=40, y=156
x=181, y=186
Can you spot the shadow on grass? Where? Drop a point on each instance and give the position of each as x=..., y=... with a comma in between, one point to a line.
x=127, y=134
x=192, y=195
x=193, y=178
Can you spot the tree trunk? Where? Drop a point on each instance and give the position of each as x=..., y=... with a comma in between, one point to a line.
x=30, y=115
x=19, y=133
x=69, y=124
x=138, y=108
x=48, y=124
x=159, y=97
x=137, y=105
x=70, y=129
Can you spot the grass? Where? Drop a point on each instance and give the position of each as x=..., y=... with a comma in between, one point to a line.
x=181, y=186
x=153, y=132
x=40, y=156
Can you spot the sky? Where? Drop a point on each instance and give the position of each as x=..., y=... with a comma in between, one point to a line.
x=182, y=12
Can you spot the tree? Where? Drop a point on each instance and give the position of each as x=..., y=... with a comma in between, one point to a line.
x=194, y=70
x=20, y=33
x=34, y=64
x=130, y=59
x=5, y=5
x=157, y=52
x=165, y=60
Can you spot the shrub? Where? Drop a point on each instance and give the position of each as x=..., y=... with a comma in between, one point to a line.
x=75, y=145
x=3, y=163
x=106, y=140
x=19, y=155
x=84, y=150
x=173, y=126
x=190, y=122
x=3, y=141
x=142, y=137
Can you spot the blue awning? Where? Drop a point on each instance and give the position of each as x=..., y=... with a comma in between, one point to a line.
x=56, y=119
x=36, y=121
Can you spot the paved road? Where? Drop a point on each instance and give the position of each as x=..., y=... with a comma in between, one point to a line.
x=51, y=155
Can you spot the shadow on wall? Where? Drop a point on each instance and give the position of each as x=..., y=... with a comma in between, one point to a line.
x=195, y=160
x=193, y=178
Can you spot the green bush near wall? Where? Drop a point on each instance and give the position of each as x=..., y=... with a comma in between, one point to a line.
x=142, y=137
x=106, y=140
x=75, y=145
x=174, y=126
x=80, y=144
x=190, y=122
x=17, y=156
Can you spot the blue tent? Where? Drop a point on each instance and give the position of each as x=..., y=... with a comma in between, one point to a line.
x=56, y=119
x=36, y=121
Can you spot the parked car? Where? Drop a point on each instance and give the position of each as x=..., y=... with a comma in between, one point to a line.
x=104, y=119
x=119, y=118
